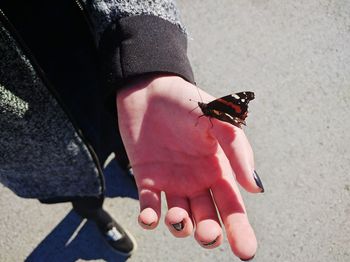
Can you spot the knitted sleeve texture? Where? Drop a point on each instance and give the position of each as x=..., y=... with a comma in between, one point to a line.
x=104, y=12
x=137, y=37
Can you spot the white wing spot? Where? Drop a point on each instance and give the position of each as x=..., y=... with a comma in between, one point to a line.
x=229, y=116
x=235, y=96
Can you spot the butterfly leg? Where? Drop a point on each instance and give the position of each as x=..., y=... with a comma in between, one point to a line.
x=193, y=110
x=212, y=125
x=197, y=122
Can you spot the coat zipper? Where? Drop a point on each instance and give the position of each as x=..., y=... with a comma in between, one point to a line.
x=88, y=21
x=13, y=32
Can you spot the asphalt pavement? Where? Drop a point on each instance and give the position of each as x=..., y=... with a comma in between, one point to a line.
x=295, y=56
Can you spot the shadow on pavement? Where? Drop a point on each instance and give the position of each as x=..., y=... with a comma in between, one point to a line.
x=75, y=238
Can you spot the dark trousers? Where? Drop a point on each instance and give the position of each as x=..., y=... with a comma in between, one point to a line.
x=88, y=207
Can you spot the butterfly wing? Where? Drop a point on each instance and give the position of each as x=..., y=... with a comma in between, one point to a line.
x=236, y=105
x=231, y=108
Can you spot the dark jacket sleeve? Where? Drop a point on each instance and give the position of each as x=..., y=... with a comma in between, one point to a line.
x=136, y=38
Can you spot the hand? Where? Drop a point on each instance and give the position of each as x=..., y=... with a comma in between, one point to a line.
x=194, y=161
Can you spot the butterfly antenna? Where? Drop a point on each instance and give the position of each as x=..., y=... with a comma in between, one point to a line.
x=193, y=108
x=195, y=100
x=199, y=94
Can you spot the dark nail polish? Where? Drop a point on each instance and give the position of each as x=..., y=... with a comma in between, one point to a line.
x=149, y=225
x=248, y=259
x=178, y=226
x=258, y=181
x=210, y=243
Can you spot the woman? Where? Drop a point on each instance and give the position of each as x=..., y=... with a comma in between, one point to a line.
x=64, y=66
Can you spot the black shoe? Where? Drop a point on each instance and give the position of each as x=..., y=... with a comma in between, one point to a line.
x=118, y=238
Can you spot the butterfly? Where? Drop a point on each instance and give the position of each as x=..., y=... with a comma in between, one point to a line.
x=232, y=109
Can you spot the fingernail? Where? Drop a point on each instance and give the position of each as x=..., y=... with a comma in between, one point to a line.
x=149, y=225
x=178, y=226
x=210, y=243
x=258, y=181
x=248, y=259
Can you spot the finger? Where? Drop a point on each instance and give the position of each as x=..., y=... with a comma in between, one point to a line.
x=237, y=149
x=150, y=206
x=232, y=212
x=178, y=218
x=208, y=231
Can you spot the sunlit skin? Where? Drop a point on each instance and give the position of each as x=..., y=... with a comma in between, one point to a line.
x=195, y=163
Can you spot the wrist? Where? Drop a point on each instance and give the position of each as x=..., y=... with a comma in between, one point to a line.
x=150, y=85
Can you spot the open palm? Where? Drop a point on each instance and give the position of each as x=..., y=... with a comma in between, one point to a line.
x=194, y=161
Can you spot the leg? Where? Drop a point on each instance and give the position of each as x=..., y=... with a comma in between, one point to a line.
x=123, y=161
x=92, y=209
x=88, y=207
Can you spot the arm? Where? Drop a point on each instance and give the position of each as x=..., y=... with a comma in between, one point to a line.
x=194, y=165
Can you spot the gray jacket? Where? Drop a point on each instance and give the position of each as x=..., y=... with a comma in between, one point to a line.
x=46, y=150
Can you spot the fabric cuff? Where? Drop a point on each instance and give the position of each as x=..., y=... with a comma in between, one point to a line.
x=140, y=45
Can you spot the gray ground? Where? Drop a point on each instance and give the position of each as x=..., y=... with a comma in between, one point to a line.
x=295, y=56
